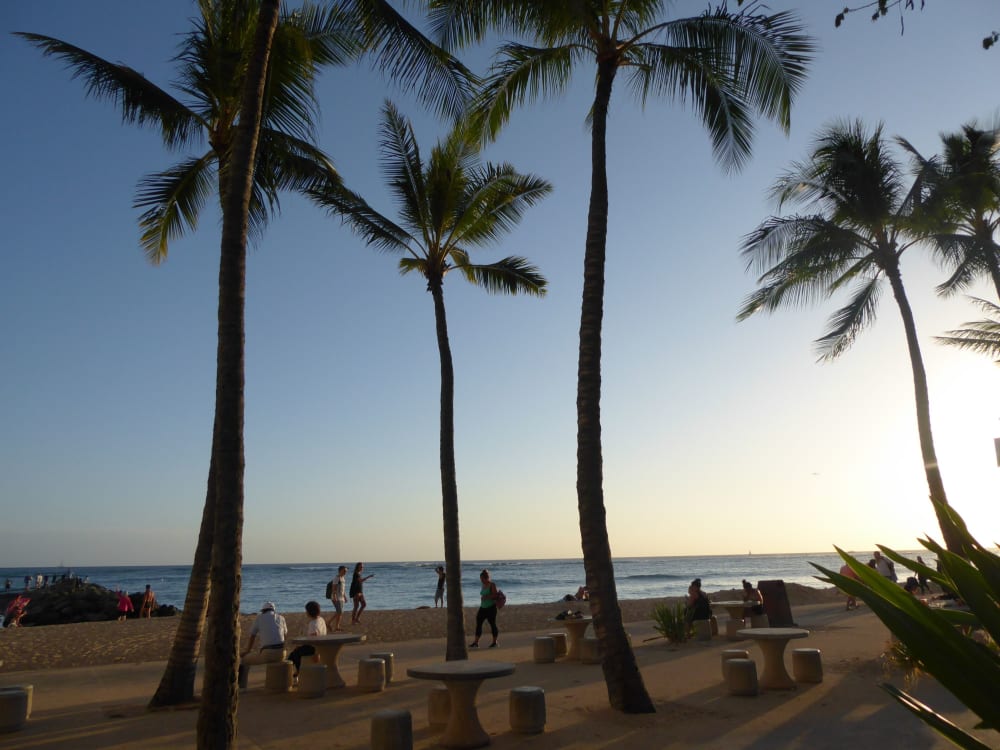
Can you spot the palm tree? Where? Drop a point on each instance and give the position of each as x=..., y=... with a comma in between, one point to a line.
x=729, y=66
x=212, y=58
x=217, y=717
x=447, y=205
x=965, y=188
x=865, y=218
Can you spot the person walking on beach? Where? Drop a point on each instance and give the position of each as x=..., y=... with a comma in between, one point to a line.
x=921, y=578
x=315, y=625
x=271, y=628
x=124, y=605
x=487, y=610
x=439, y=592
x=338, y=597
x=148, y=603
x=357, y=593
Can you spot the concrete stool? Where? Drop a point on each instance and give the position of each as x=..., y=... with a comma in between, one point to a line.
x=278, y=678
x=392, y=730
x=527, y=710
x=371, y=675
x=312, y=680
x=702, y=630
x=562, y=645
x=438, y=707
x=715, y=625
x=387, y=657
x=590, y=651
x=732, y=653
x=733, y=628
x=15, y=706
x=807, y=665
x=544, y=650
x=759, y=621
x=742, y=677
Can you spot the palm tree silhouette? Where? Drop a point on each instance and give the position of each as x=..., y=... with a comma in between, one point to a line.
x=729, y=66
x=865, y=218
x=447, y=205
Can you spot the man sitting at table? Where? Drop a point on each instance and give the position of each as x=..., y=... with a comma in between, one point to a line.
x=272, y=630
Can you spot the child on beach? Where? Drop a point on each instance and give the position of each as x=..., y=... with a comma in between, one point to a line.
x=124, y=605
x=338, y=598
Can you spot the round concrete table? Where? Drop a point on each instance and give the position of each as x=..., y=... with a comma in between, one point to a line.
x=328, y=650
x=462, y=678
x=576, y=627
x=772, y=642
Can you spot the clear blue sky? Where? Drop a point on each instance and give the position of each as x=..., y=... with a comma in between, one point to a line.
x=718, y=437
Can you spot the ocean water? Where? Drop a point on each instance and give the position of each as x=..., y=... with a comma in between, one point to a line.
x=407, y=585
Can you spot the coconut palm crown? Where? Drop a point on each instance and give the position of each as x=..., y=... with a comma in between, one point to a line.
x=448, y=205
x=866, y=215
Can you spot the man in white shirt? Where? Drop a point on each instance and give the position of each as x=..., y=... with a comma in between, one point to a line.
x=884, y=567
x=271, y=628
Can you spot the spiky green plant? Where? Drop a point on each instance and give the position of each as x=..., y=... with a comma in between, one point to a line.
x=669, y=621
x=958, y=648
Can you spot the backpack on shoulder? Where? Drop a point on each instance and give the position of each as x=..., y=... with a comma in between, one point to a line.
x=329, y=589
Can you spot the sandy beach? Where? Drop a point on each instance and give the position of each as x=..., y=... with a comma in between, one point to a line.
x=92, y=680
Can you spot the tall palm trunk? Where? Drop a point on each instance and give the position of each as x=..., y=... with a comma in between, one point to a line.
x=626, y=690
x=921, y=395
x=177, y=683
x=455, y=647
x=217, y=718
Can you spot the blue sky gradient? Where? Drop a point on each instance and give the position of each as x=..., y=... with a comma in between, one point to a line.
x=718, y=437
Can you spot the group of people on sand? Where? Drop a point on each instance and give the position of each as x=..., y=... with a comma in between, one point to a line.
x=698, y=606
x=146, y=606
x=339, y=593
x=270, y=630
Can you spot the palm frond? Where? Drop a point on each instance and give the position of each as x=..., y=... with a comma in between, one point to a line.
x=141, y=101
x=373, y=227
x=493, y=203
x=404, y=169
x=512, y=275
x=172, y=200
x=412, y=60
x=850, y=320
x=980, y=336
x=285, y=162
x=521, y=74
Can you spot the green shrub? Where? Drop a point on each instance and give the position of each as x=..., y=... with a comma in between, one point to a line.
x=668, y=621
x=957, y=648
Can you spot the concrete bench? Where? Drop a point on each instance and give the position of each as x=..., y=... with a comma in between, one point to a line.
x=807, y=665
x=388, y=657
x=562, y=647
x=15, y=707
x=392, y=730
x=544, y=650
x=438, y=706
x=312, y=680
x=732, y=653
x=371, y=675
x=742, y=677
x=527, y=710
x=278, y=677
x=590, y=651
